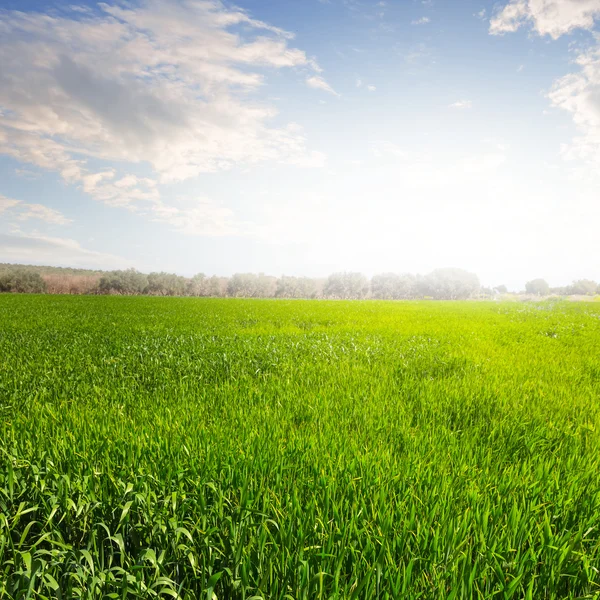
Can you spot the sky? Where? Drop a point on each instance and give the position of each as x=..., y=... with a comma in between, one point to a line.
x=302, y=137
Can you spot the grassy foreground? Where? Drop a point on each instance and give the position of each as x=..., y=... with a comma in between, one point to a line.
x=295, y=449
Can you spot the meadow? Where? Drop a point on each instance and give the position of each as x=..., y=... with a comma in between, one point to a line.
x=245, y=449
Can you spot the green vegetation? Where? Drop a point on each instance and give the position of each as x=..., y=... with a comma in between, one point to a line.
x=205, y=448
x=22, y=282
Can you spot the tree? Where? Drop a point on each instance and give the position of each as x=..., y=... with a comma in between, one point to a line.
x=22, y=281
x=345, y=286
x=583, y=287
x=165, y=284
x=385, y=286
x=296, y=287
x=390, y=286
x=451, y=284
x=216, y=286
x=197, y=285
x=126, y=283
x=249, y=285
x=501, y=289
x=539, y=287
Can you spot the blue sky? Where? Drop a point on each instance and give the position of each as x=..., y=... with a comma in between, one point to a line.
x=302, y=136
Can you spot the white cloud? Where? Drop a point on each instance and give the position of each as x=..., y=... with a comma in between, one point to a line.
x=165, y=84
x=481, y=14
x=421, y=21
x=371, y=88
x=23, y=211
x=579, y=94
x=548, y=17
x=318, y=83
x=7, y=203
x=462, y=105
x=44, y=250
x=359, y=83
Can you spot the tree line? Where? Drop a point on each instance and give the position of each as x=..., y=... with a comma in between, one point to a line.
x=440, y=284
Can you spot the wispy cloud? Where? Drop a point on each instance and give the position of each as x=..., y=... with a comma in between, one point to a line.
x=421, y=21
x=23, y=211
x=318, y=83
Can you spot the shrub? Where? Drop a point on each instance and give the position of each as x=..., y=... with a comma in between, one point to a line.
x=22, y=281
x=127, y=282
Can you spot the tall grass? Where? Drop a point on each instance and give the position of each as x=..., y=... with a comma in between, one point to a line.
x=230, y=449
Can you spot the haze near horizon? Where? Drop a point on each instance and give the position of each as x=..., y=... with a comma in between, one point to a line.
x=302, y=137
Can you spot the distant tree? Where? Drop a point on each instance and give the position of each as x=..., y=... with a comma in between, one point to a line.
x=561, y=290
x=22, y=281
x=501, y=289
x=249, y=285
x=296, y=287
x=265, y=286
x=390, y=286
x=539, y=287
x=408, y=286
x=165, y=284
x=346, y=286
x=584, y=287
x=216, y=286
x=451, y=284
x=385, y=286
x=126, y=283
x=197, y=285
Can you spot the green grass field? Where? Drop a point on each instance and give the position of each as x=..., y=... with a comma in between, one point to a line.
x=298, y=449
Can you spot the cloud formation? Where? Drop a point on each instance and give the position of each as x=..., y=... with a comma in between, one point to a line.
x=577, y=93
x=547, y=17
x=167, y=84
x=23, y=211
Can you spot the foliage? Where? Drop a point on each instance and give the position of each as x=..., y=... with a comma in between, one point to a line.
x=22, y=281
x=451, y=284
x=47, y=270
x=249, y=285
x=584, y=287
x=539, y=287
x=202, y=448
x=346, y=285
x=126, y=283
x=390, y=286
x=441, y=284
x=296, y=287
x=166, y=284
